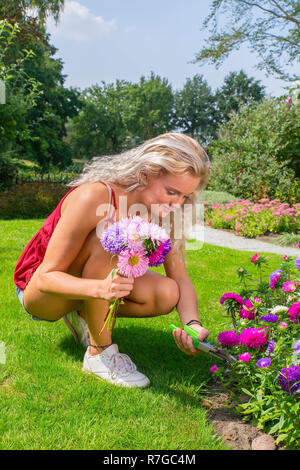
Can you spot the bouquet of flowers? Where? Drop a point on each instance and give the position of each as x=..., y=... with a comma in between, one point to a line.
x=138, y=245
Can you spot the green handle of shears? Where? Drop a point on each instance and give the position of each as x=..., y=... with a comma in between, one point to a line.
x=190, y=332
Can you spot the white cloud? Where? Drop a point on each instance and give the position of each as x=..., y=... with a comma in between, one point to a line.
x=78, y=23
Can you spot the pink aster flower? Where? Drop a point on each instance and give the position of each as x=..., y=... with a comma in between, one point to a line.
x=294, y=312
x=245, y=357
x=253, y=337
x=133, y=263
x=248, y=310
x=289, y=286
x=283, y=325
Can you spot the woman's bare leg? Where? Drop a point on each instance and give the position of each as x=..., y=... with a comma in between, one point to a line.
x=152, y=294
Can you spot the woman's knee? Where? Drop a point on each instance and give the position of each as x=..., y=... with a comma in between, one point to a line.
x=167, y=295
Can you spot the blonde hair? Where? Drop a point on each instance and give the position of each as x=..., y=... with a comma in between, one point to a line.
x=173, y=153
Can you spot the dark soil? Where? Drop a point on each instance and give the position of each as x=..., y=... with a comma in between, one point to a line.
x=237, y=433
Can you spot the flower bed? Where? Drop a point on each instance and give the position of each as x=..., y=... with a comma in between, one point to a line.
x=264, y=339
x=251, y=219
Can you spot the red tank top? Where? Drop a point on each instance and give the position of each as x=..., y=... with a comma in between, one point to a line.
x=35, y=250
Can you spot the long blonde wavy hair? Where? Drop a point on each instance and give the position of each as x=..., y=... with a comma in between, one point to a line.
x=173, y=153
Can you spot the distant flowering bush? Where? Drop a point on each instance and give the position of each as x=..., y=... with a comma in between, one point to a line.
x=250, y=219
x=264, y=338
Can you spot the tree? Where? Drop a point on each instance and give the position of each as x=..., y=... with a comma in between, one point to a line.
x=270, y=27
x=148, y=107
x=194, y=108
x=237, y=90
x=99, y=127
x=47, y=120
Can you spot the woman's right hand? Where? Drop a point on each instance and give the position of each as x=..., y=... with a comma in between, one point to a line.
x=116, y=287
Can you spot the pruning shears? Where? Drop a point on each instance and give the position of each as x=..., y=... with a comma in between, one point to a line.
x=205, y=346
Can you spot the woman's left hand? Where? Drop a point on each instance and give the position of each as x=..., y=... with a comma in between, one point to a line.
x=185, y=342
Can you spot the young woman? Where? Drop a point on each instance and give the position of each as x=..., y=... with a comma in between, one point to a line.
x=64, y=272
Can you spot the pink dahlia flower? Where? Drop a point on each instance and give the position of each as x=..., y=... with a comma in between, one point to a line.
x=253, y=337
x=294, y=312
x=245, y=357
x=289, y=286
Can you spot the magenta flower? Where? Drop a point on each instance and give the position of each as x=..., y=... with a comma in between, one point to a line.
x=289, y=286
x=214, y=369
x=253, y=337
x=254, y=258
x=232, y=295
x=247, y=312
x=294, y=312
x=245, y=357
x=228, y=338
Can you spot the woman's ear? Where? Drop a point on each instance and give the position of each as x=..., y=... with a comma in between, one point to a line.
x=144, y=179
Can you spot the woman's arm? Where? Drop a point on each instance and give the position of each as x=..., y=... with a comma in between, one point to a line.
x=187, y=306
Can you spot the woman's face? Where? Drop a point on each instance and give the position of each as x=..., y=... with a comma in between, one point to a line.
x=167, y=191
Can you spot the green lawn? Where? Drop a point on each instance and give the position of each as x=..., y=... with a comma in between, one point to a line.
x=48, y=402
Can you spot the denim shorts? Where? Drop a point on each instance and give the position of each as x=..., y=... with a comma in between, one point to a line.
x=20, y=294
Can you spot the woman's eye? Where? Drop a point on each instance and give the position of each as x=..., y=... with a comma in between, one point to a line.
x=170, y=193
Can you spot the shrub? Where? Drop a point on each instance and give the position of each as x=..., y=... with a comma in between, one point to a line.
x=8, y=172
x=251, y=220
x=31, y=200
x=257, y=152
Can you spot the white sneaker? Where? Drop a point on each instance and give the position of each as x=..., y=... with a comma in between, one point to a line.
x=115, y=367
x=78, y=327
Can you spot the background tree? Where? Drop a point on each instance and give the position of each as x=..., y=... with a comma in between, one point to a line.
x=148, y=108
x=270, y=27
x=195, y=109
x=237, y=90
x=99, y=127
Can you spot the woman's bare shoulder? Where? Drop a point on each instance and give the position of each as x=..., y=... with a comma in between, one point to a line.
x=92, y=194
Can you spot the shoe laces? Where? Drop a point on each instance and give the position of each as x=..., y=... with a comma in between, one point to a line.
x=122, y=364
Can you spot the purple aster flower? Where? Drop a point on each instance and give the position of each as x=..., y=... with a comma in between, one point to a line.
x=289, y=380
x=232, y=295
x=228, y=338
x=271, y=346
x=264, y=362
x=274, y=278
x=275, y=273
x=297, y=262
x=112, y=240
x=270, y=318
x=296, y=347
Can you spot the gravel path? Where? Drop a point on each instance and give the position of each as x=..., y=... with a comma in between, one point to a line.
x=223, y=238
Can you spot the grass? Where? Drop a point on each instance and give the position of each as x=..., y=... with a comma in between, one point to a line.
x=48, y=402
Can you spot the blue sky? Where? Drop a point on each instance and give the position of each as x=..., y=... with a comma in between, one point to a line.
x=125, y=39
